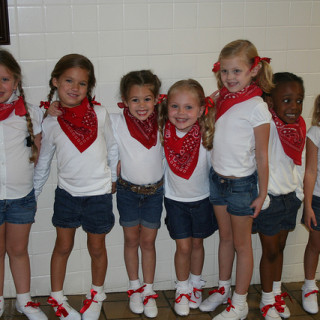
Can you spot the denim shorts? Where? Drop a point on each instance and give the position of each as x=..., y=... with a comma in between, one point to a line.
x=135, y=209
x=237, y=194
x=190, y=219
x=93, y=213
x=316, y=208
x=18, y=211
x=280, y=215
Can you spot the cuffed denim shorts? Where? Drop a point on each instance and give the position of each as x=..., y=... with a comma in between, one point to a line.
x=237, y=194
x=18, y=211
x=93, y=213
x=280, y=215
x=135, y=209
x=190, y=219
x=316, y=208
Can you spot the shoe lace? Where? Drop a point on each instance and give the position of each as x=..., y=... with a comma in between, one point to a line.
x=220, y=290
x=195, y=292
x=178, y=299
x=33, y=304
x=61, y=311
x=151, y=296
x=230, y=305
x=87, y=303
x=131, y=292
x=282, y=296
x=311, y=292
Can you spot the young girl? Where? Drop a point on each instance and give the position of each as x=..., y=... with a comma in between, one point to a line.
x=239, y=157
x=82, y=137
x=187, y=131
x=20, y=130
x=285, y=189
x=140, y=185
x=311, y=213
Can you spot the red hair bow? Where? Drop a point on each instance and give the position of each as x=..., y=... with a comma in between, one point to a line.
x=208, y=104
x=257, y=59
x=161, y=98
x=216, y=67
x=45, y=104
x=121, y=105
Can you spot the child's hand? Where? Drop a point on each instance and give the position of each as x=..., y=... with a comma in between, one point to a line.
x=114, y=187
x=214, y=96
x=54, y=110
x=309, y=216
x=257, y=205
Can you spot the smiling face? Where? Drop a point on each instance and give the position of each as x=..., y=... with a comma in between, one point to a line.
x=286, y=100
x=140, y=101
x=72, y=86
x=236, y=74
x=184, y=109
x=7, y=84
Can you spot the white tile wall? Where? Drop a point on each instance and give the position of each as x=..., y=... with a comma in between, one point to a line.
x=176, y=39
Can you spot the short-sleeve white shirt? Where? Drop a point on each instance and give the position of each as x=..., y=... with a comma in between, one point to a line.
x=233, y=152
x=314, y=135
x=139, y=165
x=80, y=174
x=16, y=170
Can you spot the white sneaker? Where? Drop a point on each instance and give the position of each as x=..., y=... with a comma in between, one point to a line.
x=181, y=303
x=135, y=300
x=31, y=310
x=1, y=306
x=92, y=305
x=196, y=294
x=269, y=312
x=281, y=306
x=216, y=297
x=310, y=300
x=233, y=312
x=150, y=306
x=63, y=310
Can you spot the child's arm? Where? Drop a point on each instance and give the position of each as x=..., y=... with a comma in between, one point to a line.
x=261, y=135
x=309, y=182
x=37, y=142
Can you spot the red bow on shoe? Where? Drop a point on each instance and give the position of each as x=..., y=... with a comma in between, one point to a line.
x=87, y=302
x=195, y=293
x=33, y=304
x=311, y=292
x=131, y=292
x=61, y=311
x=230, y=305
x=146, y=298
x=184, y=295
x=220, y=290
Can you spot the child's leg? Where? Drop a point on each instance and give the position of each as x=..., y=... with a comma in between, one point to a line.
x=148, y=253
x=17, y=239
x=2, y=255
x=182, y=258
x=241, y=227
x=131, y=245
x=197, y=256
x=99, y=260
x=311, y=255
x=61, y=252
x=226, y=246
x=282, y=244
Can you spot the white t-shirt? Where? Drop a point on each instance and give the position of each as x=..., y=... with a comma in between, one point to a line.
x=196, y=187
x=80, y=174
x=233, y=152
x=284, y=175
x=16, y=170
x=314, y=135
x=139, y=165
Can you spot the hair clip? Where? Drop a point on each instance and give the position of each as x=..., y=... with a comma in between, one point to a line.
x=257, y=59
x=216, y=67
x=208, y=104
x=45, y=104
x=161, y=98
x=121, y=105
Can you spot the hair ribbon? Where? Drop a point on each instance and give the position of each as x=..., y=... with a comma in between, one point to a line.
x=161, y=98
x=45, y=104
x=257, y=60
x=216, y=67
x=208, y=104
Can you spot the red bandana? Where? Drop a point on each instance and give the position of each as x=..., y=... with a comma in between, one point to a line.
x=143, y=131
x=292, y=137
x=182, y=153
x=228, y=99
x=7, y=108
x=80, y=124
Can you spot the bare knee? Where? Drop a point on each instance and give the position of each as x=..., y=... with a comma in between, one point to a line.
x=184, y=249
x=63, y=249
x=147, y=244
x=17, y=250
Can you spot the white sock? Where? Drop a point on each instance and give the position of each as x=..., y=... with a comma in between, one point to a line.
x=267, y=298
x=225, y=283
x=99, y=289
x=23, y=298
x=195, y=280
x=276, y=287
x=148, y=287
x=134, y=284
x=310, y=284
x=57, y=295
x=239, y=299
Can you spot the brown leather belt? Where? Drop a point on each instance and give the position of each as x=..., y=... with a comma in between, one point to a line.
x=146, y=189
